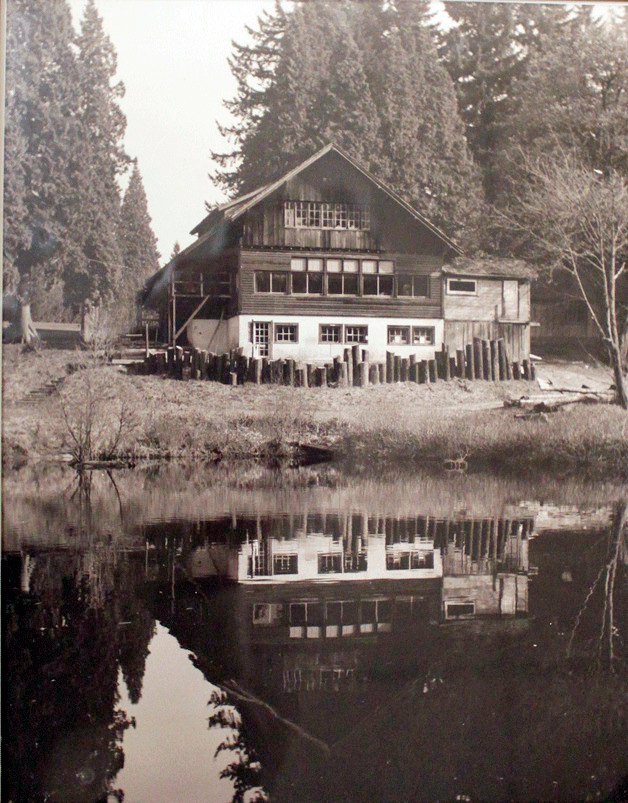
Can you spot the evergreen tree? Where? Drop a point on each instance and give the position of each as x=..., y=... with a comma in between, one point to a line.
x=137, y=240
x=96, y=274
x=485, y=52
x=43, y=143
x=575, y=97
x=176, y=250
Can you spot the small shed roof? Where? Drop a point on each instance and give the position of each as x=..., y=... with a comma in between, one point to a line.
x=490, y=267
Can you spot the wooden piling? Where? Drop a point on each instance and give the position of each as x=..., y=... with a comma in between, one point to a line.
x=403, y=369
x=396, y=368
x=431, y=370
x=446, y=367
x=494, y=361
x=390, y=367
x=478, y=362
x=234, y=378
x=300, y=376
x=423, y=372
x=453, y=368
x=414, y=372
x=342, y=375
x=486, y=360
x=516, y=370
x=525, y=366
x=349, y=365
x=257, y=371
x=532, y=370
x=460, y=363
x=374, y=374
x=470, y=365
x=362, y=374
x=365, y=355
x=381, y=370
x=501, y=356
x=355, y=356
x=321, y=377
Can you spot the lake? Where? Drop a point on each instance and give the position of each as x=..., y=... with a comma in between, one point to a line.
x=188, y=633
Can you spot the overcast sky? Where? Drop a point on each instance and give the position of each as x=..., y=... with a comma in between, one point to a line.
x=172, y=57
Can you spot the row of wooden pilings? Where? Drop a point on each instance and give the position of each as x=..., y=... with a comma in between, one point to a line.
x=483, y=359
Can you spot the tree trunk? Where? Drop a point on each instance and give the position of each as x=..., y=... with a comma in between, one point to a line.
x=621, y=393
x=28, y=331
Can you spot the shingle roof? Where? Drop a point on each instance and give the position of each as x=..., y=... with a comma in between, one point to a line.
x=496, y=267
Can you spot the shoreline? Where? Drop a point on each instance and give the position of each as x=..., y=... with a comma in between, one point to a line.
x=403, y=426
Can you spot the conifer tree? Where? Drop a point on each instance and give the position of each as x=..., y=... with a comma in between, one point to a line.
x=96, y=274
x=137, y=240
x=43, y=141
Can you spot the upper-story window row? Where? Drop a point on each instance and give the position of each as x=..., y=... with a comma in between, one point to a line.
x=323, y=215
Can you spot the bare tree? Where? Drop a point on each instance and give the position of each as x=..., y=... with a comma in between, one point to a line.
x=575, y=220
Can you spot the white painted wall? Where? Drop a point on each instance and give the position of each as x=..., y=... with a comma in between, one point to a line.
x=309, y=349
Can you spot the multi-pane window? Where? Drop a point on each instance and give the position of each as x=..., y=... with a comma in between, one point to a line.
x=399, y=335
x=286, y=333
x=413, y=286
x=285, y=564
x=307, y=275
x=319, y=215
x=410, y=560
x=330, y=333
x=356, y=334
x=461, y=287
x=271, y=282
x=342, y=277
x=330, y=564
x=377, y=277
x=423, y=335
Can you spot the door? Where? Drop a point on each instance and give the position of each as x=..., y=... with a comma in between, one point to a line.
x=261, y=338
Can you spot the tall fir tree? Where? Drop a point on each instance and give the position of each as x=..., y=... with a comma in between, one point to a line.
x=137, y=240
x=43, y=143
x=96, y=275
x=486, y=51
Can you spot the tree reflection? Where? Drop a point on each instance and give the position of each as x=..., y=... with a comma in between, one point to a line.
x=245, y=770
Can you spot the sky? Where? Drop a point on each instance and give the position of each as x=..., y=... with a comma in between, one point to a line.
x=172, y=58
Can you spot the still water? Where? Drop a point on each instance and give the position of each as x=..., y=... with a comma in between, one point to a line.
x=187, y=634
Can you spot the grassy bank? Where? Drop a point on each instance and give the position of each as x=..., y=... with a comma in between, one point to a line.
x=138, y=417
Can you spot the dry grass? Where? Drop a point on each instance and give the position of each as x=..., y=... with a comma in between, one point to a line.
x=409, y=425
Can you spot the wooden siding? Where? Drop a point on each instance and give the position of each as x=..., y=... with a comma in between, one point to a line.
x=516, y=335
x=495, y=299
x=333, y=180
x=251, y=302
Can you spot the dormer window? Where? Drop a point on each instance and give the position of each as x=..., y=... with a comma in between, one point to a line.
x=320, y=215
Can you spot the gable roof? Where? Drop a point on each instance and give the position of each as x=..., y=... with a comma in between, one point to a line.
x=232, y=210
x=490, y=267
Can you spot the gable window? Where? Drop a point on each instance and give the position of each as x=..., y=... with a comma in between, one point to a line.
x=399, y=335
x=462, y=287
x=307, y=276
x=319, y=215
x=330, y=333
x=330, y=564
x=409, y=285
x=271, y=282
x=377, y=277
x=356, y=334
x=342, y=277
x=409, y=560
x=286, y=333
x=423, y=335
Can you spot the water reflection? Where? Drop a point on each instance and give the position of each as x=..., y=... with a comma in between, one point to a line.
x=357, y=640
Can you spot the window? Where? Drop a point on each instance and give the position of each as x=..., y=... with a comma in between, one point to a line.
x=330, y=564
x=461, y=287
x=399, y=335
x=413, y=286
x=355, y=562
x=271, y=282
x=342, y=277
x=317, y=215
x=285, y=564
x=356, y=334
x=423, y=335
x=330, y=333
x=410, y=560
x=286, y=333
x=459, y=610
x=377, y=277
x=307, y=276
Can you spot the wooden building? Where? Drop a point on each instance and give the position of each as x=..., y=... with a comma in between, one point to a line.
x=324, y=258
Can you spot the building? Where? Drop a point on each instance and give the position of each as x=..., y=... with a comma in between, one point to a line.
x=328, y=257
